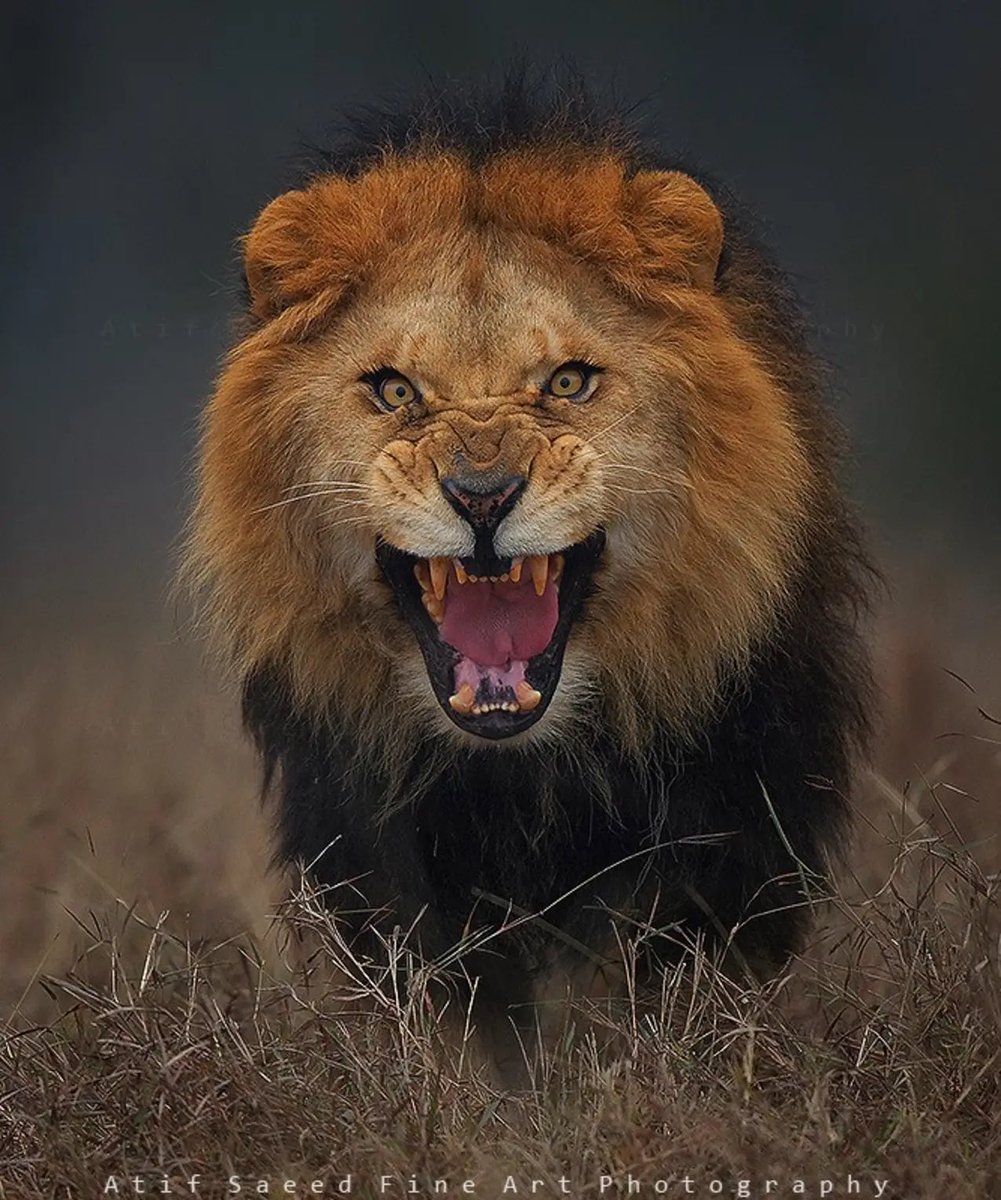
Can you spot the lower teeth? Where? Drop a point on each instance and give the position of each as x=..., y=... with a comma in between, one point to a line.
x=528, y=699
x=499, y=706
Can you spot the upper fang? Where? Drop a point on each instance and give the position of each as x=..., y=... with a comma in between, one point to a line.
x=538, y=564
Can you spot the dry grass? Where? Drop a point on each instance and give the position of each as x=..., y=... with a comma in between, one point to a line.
x=157, y=1021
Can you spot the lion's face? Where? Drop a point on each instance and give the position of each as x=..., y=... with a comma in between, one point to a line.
x=484, y=463
x=486, y=420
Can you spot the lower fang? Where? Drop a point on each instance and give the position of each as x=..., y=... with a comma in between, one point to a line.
x=434, y=607
x=528, y=697
x=462, y=701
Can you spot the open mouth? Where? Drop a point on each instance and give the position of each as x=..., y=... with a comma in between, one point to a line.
x=493, y=635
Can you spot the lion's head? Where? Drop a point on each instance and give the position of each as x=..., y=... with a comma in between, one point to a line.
x=496, y=442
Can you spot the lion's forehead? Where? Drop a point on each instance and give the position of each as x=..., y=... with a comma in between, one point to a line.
x=488, y=331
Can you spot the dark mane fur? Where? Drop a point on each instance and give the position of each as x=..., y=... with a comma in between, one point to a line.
x=716, y=833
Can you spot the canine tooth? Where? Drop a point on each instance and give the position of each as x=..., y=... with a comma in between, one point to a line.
x=422, y=575
x=435, y=607
x=556, y=569
x=516, y=570
x=538, y=564
x=528, y=697
x=460, y=571
x=462, y=701
x=439, y=576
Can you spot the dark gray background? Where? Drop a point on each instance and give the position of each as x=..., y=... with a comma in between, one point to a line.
x=140, y=139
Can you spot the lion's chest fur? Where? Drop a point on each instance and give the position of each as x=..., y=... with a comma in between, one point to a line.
x=578, y=850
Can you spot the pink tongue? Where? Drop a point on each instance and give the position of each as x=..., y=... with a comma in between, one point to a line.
x=493, y=623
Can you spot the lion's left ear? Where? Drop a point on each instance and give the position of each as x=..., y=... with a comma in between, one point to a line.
x=677, y=224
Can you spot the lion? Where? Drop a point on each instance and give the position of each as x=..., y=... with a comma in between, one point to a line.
x=518, y=516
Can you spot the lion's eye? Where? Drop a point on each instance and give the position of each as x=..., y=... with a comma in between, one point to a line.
x=571, y=381
x=392, y=389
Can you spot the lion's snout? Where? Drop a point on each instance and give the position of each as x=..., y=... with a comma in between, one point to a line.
x=483, y=500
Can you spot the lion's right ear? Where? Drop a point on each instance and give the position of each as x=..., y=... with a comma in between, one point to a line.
x=678, y=224
x=297, y=246
x=273, y=252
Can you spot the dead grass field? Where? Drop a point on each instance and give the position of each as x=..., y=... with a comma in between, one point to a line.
x=156, y=1024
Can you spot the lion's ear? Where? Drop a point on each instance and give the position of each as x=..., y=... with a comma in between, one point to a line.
x=678, y=225
x=303, y=242
x=273, y=251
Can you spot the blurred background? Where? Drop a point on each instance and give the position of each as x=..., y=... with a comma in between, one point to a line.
x=140, y=140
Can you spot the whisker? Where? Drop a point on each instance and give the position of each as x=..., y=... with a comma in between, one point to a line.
x=351, y=520
x=629, y=467
x=296, y=499
x=616, y=487
x=618, y=421
x=341, y=483
x=363, y=516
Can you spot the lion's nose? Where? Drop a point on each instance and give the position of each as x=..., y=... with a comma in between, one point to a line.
x=483, y=501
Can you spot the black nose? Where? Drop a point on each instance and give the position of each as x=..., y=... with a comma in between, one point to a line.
x=485, y=502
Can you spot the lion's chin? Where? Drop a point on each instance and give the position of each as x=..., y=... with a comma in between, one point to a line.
x=493, y=642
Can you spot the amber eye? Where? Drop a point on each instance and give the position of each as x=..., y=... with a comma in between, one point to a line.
x=392, y=389
x=571, y=381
